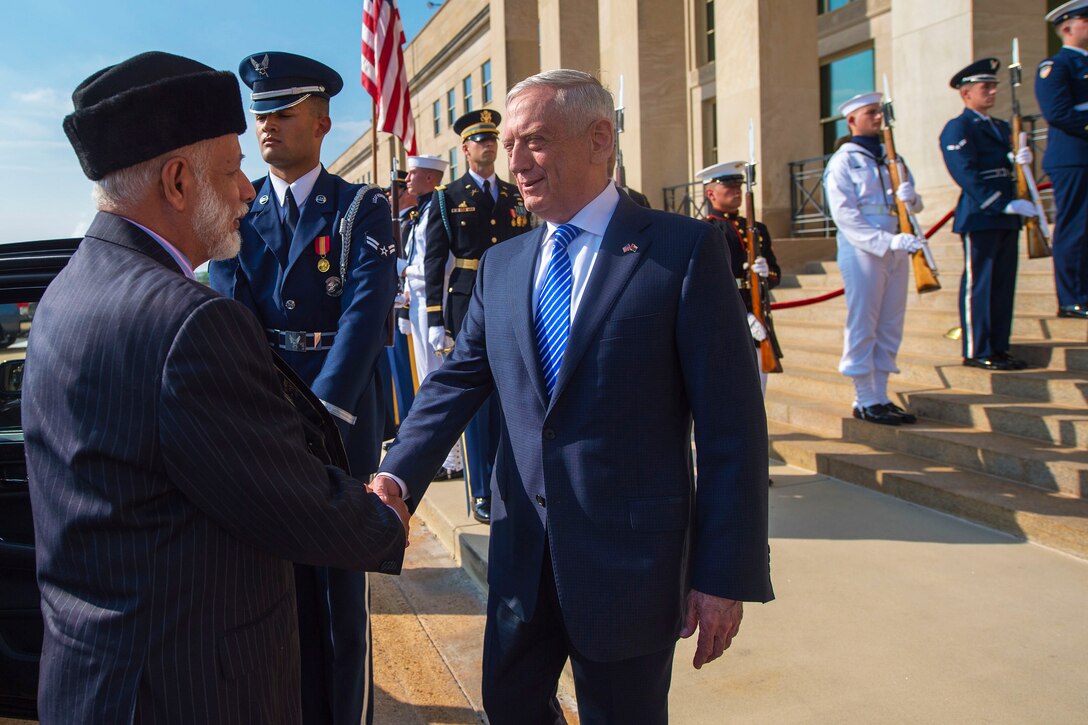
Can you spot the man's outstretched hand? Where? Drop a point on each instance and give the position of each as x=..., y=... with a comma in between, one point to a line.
x=717, y=620
x=388, y=491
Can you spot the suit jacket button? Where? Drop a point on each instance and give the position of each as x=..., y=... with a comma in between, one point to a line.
x=493, y=222
x=289, y=304
x=549, y=434
x=494, y=240
x=540, y=500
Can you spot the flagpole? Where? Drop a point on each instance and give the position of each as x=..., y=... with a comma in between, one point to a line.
x=374, y=141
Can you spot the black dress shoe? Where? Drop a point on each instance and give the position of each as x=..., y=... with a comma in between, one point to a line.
x=988, y=363
x=444, y=475
x=877, y=414
x=481, y=510
x=903, y=415
x=1078, y=311
x=1010, y=360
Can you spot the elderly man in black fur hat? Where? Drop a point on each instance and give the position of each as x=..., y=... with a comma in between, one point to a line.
x=173, y=474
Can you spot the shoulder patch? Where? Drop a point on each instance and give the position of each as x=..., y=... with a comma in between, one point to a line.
x=1045, y=67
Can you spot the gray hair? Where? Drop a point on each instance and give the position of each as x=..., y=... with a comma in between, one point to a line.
x=579, y=97
x=120, y=189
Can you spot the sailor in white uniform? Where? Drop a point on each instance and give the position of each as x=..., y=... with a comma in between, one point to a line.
x=874, y=258
x=424, y=174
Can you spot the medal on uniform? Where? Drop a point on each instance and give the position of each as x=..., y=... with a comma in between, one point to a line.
x=321, y=248
x=334, y=287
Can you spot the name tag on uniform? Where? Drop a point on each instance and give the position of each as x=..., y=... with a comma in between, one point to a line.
x=462, y=209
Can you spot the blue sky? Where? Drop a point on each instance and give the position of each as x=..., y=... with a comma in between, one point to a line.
x=50, y=46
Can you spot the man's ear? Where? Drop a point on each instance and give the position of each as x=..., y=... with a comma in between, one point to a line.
x=324, y=125
x=177, y=181
x=602, y=140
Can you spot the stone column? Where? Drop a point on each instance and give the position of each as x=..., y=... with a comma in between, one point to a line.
x=568, y=35
x=767, y=71
x=515, y=44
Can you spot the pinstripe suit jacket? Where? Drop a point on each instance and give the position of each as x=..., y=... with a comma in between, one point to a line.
x=171, y=487
x=601, y=471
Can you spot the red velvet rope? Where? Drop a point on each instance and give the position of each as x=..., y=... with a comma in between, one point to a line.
x=832, y=295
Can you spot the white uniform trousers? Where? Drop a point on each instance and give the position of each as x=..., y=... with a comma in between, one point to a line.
x=876, y=305
x=426, y=359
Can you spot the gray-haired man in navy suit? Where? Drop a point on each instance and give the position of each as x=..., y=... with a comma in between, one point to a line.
x=171, y=480
x=593, y=332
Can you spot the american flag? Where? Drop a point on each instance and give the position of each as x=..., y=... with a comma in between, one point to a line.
x=383, y=76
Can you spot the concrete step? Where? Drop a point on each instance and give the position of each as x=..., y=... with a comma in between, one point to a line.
x=827, y=279
x=1050, y=519
x=1047, y=467
x=1055, y=355
x=1053, y=424
x=1025, y=302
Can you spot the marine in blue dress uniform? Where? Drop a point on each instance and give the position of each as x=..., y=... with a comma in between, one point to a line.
x=467, y=218
x=978, y=153
x=325, y=312
x=1061, y=87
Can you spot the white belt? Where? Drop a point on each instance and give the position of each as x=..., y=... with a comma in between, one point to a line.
x=1081, y=106
x=876, y=210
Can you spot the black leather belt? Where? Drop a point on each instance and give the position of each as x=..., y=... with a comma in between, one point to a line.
x=300, y=340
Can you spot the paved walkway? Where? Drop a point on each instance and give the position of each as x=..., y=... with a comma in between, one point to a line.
x=886, y=613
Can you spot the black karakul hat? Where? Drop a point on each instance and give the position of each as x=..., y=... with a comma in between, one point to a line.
x=981, y=71
x=148, y=105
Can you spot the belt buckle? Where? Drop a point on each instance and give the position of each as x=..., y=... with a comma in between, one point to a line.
x=294, y=341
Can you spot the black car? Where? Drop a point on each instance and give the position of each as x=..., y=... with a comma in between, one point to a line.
x=26, y=268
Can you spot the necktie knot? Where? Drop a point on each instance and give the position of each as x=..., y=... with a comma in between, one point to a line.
x=563, y=235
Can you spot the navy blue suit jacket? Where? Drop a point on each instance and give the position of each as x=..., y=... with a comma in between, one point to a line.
x=976, y=156
x=345, y=374
x=602, y=471
x=171, y=486
x=1061, y=87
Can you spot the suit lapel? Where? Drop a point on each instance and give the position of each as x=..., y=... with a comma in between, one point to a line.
x=524, y=274
x=316, y=214
x=611, y=272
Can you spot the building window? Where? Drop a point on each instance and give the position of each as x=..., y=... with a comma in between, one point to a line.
x=710, y=132
x=826, y=6
x=437, y=117
x=453, y=164
x=710, y=54
x=839, y=80
x=466, y=92
x=451, y=106
x=485, y=69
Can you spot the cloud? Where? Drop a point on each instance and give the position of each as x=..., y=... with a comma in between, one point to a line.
x=41, y=100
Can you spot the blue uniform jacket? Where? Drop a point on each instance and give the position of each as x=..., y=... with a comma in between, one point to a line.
x=977, y=157
x=1061, y=87
x=297, y=298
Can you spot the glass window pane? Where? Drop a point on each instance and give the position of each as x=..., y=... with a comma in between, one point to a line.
x=487, y=81
x=839, y=80
x=466, y=92
x=451, y=106
x=453, y=164
x=437, y=117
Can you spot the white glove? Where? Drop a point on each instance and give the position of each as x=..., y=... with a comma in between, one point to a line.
x=759, y=266
x=438, y=338
x=1023, y=207
x=402, y=264
x=759, y=333
x=400, y=299
x=905, y=193
x=1024, y=157
x=404, y=325
x=906, y=243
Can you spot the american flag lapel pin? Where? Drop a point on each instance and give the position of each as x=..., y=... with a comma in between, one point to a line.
x=628, y=248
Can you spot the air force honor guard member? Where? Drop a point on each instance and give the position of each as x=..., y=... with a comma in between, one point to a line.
x=874, y=258
x=324, y=302
x=1061, y=87
x=978, y=154
x=424, y=174
x=723, y=185
x=467, y=218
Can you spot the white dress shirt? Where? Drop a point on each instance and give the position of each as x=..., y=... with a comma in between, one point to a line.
x=300, y=188
x=174, y=252
x=592, y=220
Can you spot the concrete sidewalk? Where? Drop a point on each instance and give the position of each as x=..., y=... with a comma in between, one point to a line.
x=886, y=613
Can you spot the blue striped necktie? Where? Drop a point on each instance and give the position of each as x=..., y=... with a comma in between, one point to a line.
x=553, y=307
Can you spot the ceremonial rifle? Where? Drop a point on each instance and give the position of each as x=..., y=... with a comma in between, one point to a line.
x=620, y=175
x=1036, y=230
x=757, y=286
x=394, y=206
x=925, y=268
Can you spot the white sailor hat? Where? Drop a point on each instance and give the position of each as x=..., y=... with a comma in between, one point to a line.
x=728, y=171
x=861, y=100
x=427, y=161
x=1073, y=9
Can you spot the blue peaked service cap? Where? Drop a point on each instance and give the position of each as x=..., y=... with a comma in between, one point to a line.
x=281, y=80
x=981, y=71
